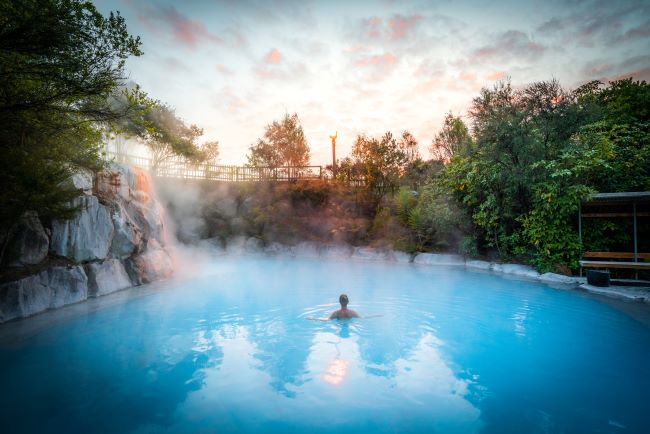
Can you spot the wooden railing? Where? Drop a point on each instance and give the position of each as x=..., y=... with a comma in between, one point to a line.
x=180, y=168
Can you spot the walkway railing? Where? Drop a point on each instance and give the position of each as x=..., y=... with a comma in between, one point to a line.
x=180, y=168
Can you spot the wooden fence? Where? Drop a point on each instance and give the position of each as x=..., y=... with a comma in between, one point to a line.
x=180, y=168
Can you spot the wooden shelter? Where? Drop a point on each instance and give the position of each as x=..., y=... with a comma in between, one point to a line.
x=629, y=205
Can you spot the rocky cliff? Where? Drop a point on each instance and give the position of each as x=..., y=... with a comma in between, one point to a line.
x=115, y=241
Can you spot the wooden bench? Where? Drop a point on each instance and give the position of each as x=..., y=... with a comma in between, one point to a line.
x=615, y=264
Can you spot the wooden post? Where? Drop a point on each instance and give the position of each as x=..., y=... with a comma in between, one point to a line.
x=636, y=251
x=580, y=231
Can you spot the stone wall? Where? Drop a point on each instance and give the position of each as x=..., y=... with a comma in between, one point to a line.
x=115, y=241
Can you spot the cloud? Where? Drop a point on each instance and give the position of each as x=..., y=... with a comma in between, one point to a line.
x=507, y=45
x=376, y=67
x=184, y=30
x=639, y=32
x=274, y=66
x=273, y=57
x=637, y=67
x=639, y=74
x=379, y=30
x=467, y=76
x=592, y=24
x=383, y=61
x=174, y=64
x=371, y=28
x=496, y=75
x=230, y=100
x=401, y=27
x=223, y=69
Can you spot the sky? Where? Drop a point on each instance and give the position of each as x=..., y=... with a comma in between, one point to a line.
x=232, y=67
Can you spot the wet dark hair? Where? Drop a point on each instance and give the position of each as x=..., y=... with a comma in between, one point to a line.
x=343, y=299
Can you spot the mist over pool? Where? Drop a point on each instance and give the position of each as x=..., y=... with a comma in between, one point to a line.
x=229, y=349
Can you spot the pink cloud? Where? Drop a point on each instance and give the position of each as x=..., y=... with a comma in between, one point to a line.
x=639, y=74
x=273, y=57
x=400, y=26
x=372, y=27
x=467, y=76
x=383, y=61
x=184, y=30
x=376, y=67
x=496, y=75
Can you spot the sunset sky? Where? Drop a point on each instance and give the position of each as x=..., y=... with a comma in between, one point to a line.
x=234, y=66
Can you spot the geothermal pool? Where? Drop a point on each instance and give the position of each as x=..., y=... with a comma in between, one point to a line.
x=229, y=350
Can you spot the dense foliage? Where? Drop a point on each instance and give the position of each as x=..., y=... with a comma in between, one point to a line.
x=537, y=152
x=283, y=144
x=166, y=135
x=60, y=62
x=379, y=162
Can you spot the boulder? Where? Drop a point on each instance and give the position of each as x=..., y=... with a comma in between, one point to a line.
x=82, y=181
x=149, y=218
x=51, y=288
x=154, y=264
x=27, y=242
x=438, y=259
x=127, y=236
x=107, y=186
x=553, y=278
x=68, y=285
x=106, y=277
x=24, y=297
x=479, y=265
x=85, y=237
x=122, y=182
x=370, y=254
x=402, y=257
x=126, y=180
x=516, y=270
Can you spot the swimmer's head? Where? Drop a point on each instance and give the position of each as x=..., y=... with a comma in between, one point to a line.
x=343, y=299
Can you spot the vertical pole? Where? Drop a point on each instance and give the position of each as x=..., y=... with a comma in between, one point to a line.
x=636, y=251
x=334, y=155
x=580, y=230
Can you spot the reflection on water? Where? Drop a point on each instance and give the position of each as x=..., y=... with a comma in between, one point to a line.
x=336, y=371
x=231, y=351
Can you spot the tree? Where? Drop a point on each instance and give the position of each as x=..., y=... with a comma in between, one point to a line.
x=159, y=128
x=380, y=161
x=60, y=61
x=538, y=152
x=409, y=145
x=167, y=136
x=283, y=144
x=453, y=139
x=210, y=152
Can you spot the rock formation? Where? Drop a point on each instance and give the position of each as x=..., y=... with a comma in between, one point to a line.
x=116, y=240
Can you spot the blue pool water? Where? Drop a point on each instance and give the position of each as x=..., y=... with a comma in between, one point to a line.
x=230, y=350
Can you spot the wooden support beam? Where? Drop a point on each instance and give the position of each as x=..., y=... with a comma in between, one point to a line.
x=615, y=214
x=613, y=264
x=615, y=255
